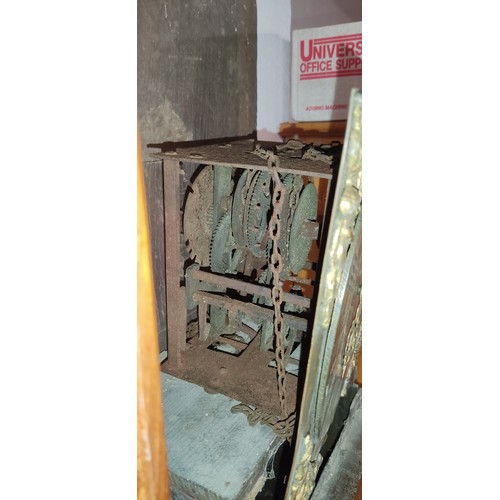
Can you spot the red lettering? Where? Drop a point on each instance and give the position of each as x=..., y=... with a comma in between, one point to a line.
x=358, y=48
x=321, y=66
x=320, y=57
x=302, y=51
x=349, y=49
x=352, y=63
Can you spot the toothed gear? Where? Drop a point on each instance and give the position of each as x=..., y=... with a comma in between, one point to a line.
x=222, y=246
x=198, y=217
x=256, y=213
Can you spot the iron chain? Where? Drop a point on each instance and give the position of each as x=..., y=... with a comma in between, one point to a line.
x=284, y=425
x=277, y=268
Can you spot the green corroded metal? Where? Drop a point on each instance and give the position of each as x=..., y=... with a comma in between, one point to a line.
x=239, y=198
x=300, y=243
x=222, y=188
x=293, y=185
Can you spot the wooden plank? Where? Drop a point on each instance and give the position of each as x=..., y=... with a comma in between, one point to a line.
x=153, y=177
x=213, y=454
x=212, y=93
x=176, y=312
x=152, y=477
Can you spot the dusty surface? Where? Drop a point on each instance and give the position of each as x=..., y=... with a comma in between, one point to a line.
x=246, y=378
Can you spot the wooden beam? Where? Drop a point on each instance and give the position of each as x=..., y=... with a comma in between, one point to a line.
x=176, y=310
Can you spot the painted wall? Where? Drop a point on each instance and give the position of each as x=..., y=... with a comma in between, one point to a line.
x=273, y=67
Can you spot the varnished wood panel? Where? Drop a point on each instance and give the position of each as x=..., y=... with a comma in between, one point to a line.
x=152, y=474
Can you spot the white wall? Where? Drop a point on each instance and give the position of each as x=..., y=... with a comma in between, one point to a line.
x=273, y=67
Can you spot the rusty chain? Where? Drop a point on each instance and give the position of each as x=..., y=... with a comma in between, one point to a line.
x=277, y=268
x=283, y=425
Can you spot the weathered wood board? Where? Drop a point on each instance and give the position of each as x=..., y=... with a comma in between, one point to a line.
x=153, y=177
x=196, y=69
x=212, y=453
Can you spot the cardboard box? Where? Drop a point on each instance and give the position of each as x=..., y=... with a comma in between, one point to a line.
x=326, y=65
